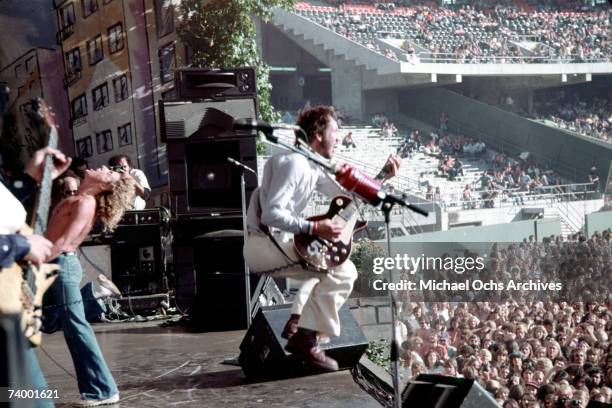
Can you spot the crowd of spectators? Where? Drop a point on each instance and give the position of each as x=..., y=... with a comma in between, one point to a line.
x=506, y=177
x=528, y=349
x=488, y=32
x=591, y=118
x=517, y=178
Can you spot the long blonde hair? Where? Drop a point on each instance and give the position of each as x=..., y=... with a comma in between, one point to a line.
x=112, y=203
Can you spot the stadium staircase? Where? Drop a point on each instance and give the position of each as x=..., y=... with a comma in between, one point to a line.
x=319, y=40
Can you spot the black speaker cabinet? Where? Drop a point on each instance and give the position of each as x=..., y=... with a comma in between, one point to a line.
x=138, y=259
x=208, y=83
x=182, y=120
x=199, y=141
x=211, y=280
x=185, y=230
x=438, y=391
x=262, y=351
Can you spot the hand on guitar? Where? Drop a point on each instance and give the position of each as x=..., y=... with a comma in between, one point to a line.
x=328, y=229
x=40, y=249
x=35, y=167
x=391, y=167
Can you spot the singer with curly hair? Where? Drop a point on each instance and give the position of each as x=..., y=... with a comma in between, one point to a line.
x=103, y=195
x=274, y=215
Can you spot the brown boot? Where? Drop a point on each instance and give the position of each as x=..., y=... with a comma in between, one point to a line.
x=303, y=344
x=291, y=327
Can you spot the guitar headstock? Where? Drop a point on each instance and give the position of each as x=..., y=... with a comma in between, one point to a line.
x=40, y=115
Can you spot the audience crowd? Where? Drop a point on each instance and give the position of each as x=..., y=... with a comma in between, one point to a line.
x=506, y=178
x=529, y=349
x=591, y=118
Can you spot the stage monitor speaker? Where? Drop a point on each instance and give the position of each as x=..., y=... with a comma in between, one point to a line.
x=597, y=404
x=209, y=83
x=262, y=351
x=438, y=391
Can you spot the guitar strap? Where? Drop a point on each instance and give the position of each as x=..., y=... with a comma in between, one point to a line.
x=303, y=263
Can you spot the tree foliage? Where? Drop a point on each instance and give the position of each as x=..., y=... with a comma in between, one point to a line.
x=364, y=252
x=222, y=34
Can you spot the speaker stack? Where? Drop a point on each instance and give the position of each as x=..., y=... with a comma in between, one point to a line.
x=205, y=190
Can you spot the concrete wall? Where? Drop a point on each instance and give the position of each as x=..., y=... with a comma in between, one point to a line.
x=572, y=155
x=598, y=221
x=509, y=232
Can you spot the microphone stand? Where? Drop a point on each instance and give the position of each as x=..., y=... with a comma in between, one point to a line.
x=303, y=151
x=247, y=280
x=388, y=201
x=386, y=208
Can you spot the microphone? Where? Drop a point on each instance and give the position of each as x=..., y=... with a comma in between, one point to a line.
x=369, y=189
x=242, y=166
x=359, y=183
x=265, y=127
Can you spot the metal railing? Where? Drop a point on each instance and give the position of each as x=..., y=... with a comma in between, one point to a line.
x=551, y=123
x=64, y=33
x=545, y=195
x=455, y=58
x=78, y=121
x=71, y=78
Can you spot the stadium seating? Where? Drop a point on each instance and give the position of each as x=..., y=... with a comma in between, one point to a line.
x=494, y=33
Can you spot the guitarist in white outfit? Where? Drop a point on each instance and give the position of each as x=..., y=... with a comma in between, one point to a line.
x=289, y=180
x=17, y=247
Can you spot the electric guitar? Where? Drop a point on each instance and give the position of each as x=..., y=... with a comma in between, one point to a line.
x=22, y=286
x=321, y=253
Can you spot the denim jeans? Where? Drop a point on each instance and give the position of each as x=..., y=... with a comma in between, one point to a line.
x=36, y=377
x=64, y=310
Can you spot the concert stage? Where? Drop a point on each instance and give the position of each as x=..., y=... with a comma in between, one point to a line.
x=169, y=366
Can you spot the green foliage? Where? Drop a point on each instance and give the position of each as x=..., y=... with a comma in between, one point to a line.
x=222, y=33
x=364, y=252
x=378, y=352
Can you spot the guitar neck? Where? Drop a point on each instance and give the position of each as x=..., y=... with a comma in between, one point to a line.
x=41, y=212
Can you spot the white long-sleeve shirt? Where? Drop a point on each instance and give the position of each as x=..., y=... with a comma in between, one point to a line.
x=288, y=182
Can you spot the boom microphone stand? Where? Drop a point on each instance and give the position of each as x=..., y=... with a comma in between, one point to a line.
x=247, y=280
x=386, y=208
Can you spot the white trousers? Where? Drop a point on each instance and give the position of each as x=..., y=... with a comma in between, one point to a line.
x=302, y=295
x=328, y=291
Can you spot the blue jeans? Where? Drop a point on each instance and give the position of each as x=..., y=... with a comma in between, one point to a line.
x=37, y=378
x=64, y=310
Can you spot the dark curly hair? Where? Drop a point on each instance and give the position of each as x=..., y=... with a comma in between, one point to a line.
x=313, y=121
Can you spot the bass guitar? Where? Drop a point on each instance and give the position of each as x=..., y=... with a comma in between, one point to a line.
x=22, y=286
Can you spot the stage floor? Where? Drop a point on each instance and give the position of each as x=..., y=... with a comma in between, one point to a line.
x=168, y=366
